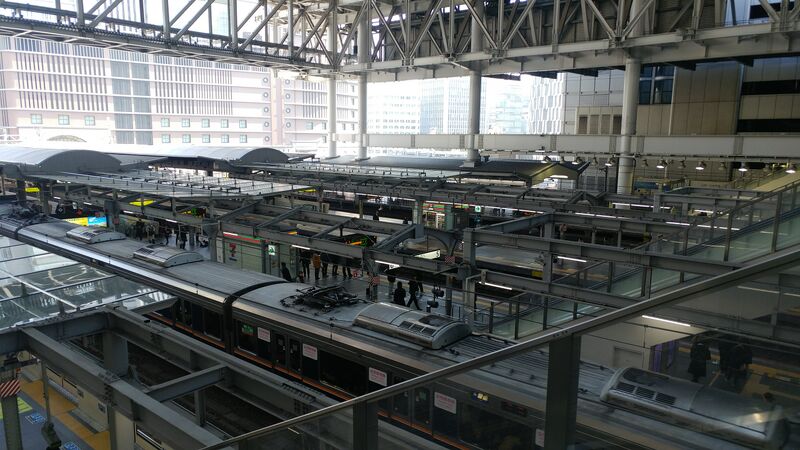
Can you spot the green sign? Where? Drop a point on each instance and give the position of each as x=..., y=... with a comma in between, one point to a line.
x=478, y=208
x=271, y=250
x=247, y=330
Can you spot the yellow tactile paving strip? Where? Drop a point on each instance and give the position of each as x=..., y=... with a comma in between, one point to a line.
x=60, y=409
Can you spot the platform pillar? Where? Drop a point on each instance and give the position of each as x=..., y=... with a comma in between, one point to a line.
x=418, y=211
x=21, y=195
x=474, y=108
x=630, y=106
x=9, y=387
x=363, y=59
x=333, y=38
x=562, y=393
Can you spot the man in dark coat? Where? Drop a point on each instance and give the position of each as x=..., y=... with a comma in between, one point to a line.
x=698, y=356
x=285, y=272
x=414, y=288
x=399, y=295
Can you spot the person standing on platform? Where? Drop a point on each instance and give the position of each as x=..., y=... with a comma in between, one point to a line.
x=325, y=260
x=400, y=295
x=285, y=272
x=414, y=288
x=698, y=356
x=305, y=262
x=316, y=261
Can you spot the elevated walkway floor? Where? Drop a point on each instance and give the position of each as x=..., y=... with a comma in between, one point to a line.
x=73, y=433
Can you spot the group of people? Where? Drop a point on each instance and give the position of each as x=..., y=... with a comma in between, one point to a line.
x=158, y=233
x=734, y=359
x=320, y=263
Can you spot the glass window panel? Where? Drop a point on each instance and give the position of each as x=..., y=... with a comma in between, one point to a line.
x=63, y=276
x=36, y=263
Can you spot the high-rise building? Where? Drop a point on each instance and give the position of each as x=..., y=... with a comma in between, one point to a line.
x=55, y=91
x=394, y=108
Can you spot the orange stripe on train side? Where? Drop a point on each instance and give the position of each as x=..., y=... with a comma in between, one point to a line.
x=253, y=358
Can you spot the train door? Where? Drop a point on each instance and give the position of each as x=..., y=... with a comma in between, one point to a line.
x=377, y=380
x=422, y=407
x=400, y=402
x=280, y=350
x=295, y=356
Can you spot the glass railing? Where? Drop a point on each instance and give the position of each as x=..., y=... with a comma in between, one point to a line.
x=754, y=229
x=650, y=375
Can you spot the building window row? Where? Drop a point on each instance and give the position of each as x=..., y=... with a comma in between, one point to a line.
x=205, y=138
x=204, y=123
x=63, y=120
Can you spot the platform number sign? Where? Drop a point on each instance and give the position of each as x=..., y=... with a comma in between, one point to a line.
x=271, y=250
x=539, y=441
x=232, y=249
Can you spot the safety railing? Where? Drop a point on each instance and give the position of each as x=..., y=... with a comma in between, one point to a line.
x=751, y=230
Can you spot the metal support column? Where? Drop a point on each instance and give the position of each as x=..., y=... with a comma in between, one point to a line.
x=290, y=27
x=21, y=194
x=630, y=105
x=115, y=353
x=200, y=407
x=419, y=207
x=45, y=195
x=448, y=296
x=364, y=38
x=10, y=409
x=474, y=109
x=333, y=38
x=474, y=118
x=562, y=392
x=365, y=426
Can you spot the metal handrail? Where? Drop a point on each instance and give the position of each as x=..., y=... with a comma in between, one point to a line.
x=777, y=262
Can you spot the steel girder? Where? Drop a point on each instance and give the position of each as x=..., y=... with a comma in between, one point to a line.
x=415, y=39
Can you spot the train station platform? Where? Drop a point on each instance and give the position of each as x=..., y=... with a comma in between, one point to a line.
x=75, y=433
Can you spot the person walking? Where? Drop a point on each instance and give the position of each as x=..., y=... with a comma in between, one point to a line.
x=316, y=261
x=285, y=272
x=414, y=288
x=698, y=356
x=305, y=263
x=399, y=295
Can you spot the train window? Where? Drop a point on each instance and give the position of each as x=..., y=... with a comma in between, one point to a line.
x=184, y=314
x=246, y=337
x=212, y=324
x=343, y=374
x=445, y=417
x=310, y=362
x=400, y=401
x=165, y=313
x=487, y=430
x=295, y=357
x=280, y=351
x=196, y=313
x=422, y=406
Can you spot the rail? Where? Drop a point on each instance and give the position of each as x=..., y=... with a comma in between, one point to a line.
x=774, y=263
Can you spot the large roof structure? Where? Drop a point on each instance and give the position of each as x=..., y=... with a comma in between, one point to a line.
x=43, y=160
